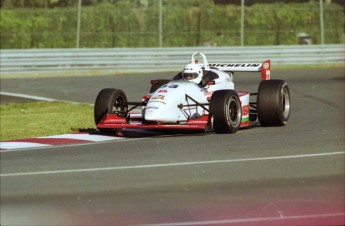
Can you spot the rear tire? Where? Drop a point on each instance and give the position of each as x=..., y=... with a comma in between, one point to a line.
x=273, y=103
x=226, y=110
x=110, y=101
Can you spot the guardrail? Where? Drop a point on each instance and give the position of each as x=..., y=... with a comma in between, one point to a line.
x=163, y=59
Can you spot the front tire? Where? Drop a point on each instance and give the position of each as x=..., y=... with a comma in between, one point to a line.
x=226, y=110
x=273, y=103
x=110, y=101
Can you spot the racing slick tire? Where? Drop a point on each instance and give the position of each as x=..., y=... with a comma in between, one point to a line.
x=157, y=84
x=110, y=101
x=273, y=103
x=226, y=110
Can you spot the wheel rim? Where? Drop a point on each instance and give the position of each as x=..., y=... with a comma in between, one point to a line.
x=233, y=112
x=285, y=102
x=119, y=106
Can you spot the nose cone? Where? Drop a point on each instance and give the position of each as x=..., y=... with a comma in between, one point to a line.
x=163, y=104
x=152, y=112
x=159, y=110
x=163, y=115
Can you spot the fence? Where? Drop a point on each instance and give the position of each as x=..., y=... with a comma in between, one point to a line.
x=163, y=59
x=166, y=23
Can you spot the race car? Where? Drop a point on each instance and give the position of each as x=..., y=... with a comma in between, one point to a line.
x=202, y=97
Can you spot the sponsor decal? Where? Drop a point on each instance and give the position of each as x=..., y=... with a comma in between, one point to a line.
x=234, y=65
x=245, y=110
x=207, y=93
x=268, y=74
x=202, y=120
x=152, y=107
x=170, y=86
x=162, y=91
x=159, y=97
x=157, y=101
x=173, y=86
x=120, y=120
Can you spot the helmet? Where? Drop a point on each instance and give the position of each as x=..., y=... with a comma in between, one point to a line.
x=193, y=73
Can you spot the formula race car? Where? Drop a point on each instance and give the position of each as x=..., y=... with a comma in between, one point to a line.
x=201, y=97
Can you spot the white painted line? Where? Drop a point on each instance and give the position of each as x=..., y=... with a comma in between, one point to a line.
x=18, y=145
x=250, y=220
x=27, y=96
x=170, y=164
x=85, y=136
x=35, y=97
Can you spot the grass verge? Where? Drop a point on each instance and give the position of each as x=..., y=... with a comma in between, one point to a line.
x=33, y=119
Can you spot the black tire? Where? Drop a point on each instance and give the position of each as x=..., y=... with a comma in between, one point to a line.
x=110, y=101
x=158, y=84
x=273, y=103
x=226, y=110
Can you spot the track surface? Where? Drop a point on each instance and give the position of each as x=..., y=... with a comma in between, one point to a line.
x=292, y=175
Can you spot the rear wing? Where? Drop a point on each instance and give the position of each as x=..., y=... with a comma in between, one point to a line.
x=264, y=68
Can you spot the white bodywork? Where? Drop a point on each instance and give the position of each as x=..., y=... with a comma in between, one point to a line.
x=163, y=103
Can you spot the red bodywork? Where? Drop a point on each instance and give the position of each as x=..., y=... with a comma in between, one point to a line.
x=113, y=121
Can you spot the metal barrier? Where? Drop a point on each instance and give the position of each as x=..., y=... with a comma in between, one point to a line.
x=163, y=59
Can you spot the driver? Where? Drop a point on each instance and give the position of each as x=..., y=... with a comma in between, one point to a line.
x=192, y=73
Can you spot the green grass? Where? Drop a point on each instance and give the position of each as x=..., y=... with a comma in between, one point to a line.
x=27, y=120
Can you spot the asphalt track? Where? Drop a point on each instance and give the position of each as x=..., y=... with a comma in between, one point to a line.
x=292, y=175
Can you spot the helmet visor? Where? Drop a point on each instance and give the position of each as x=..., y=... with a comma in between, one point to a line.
x=190, y=76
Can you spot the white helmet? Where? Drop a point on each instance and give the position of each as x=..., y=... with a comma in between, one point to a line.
x=192, y=73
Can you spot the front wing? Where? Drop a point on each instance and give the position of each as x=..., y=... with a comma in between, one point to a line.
x=113, y=121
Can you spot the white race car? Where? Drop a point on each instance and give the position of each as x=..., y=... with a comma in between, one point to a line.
x=201, y=97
